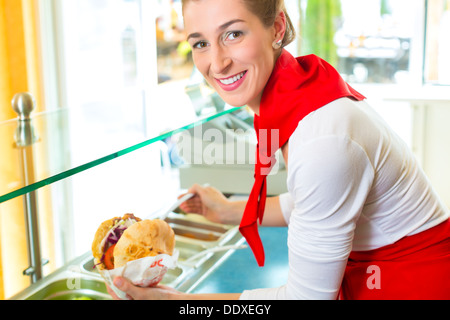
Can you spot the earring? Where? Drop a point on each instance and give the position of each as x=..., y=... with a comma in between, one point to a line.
x=277, y=44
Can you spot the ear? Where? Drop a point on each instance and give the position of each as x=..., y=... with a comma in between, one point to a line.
x=280, y=26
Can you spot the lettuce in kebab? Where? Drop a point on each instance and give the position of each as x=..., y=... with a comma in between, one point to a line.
x=120, y=240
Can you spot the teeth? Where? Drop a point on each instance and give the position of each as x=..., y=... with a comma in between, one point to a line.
x=232, y=79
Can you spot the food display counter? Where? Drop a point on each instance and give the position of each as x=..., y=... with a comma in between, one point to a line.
x=213, y=259
x=203, y=246
x=240, y=271
x=114, y=178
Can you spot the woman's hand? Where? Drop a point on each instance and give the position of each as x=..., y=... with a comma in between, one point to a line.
x=213, y=205
x=137, y=293
x=163, y=293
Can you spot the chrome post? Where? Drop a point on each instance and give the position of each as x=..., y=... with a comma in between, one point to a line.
x=24, y=104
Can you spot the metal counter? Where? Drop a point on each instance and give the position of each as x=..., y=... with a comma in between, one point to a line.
x=241, y=272
x=212, y=260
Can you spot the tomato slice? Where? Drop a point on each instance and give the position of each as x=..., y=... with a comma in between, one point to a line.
x=109, y=258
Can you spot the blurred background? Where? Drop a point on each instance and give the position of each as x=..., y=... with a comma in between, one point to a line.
x=116, y=72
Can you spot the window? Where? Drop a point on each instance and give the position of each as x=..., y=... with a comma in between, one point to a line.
x=437, y=42
x=367, y=41
x=174, y=53
x=108, y=79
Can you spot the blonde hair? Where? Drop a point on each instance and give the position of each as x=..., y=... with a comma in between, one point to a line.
x=267, y=11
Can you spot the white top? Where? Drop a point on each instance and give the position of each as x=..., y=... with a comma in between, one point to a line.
x=353, y=185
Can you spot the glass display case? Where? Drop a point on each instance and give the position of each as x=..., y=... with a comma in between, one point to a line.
x=64, y=198
x=120, y=87
x=124, y=89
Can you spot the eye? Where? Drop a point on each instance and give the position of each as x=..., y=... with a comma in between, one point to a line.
x=200, y=45
x=233, y=35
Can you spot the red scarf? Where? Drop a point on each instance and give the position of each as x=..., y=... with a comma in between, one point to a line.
x=296, y=88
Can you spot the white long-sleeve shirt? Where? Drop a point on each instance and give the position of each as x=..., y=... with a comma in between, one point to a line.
x=353, y=184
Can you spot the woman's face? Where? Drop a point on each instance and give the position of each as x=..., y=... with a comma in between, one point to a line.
x=231, y=48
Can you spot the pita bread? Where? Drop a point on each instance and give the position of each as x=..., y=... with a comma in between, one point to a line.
x=144, y=239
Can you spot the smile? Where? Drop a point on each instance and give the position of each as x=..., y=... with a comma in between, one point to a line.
x=233, y=82
x=232, y=79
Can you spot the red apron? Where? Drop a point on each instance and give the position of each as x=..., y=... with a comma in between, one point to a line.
x=414, y=268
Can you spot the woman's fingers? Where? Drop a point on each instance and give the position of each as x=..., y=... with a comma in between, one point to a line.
x=193, y=205
x=137, y=293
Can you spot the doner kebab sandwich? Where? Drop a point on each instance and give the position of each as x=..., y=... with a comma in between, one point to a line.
x=121, y=240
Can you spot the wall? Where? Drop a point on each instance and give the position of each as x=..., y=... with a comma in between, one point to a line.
x=433, y=118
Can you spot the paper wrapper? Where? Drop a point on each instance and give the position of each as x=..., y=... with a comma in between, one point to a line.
x=145, y=272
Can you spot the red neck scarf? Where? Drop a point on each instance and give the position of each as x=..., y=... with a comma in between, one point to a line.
x=296, y=88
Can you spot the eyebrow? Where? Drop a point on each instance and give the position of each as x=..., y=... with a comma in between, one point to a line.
x=221, y=28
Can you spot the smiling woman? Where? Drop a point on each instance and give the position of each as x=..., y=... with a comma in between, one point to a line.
x=353, y=183
x=238, y=56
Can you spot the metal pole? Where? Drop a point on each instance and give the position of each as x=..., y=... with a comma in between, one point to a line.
x=23, y=104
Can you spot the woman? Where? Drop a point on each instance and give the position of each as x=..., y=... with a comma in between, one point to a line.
x=358, y=204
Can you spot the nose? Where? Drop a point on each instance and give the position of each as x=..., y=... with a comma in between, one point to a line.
x=220, y=60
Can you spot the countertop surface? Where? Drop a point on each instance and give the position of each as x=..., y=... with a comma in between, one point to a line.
x=240, y=271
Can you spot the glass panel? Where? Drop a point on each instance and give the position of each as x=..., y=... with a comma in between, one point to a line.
x=111, y=102
x=437, y=42
x=133, y=183
x=367, y=41
x=97, y=149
